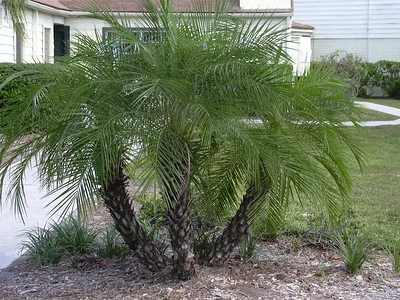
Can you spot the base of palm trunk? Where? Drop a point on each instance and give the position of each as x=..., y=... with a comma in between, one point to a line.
x=181, y=234
x=237, y=228
x=120, y=206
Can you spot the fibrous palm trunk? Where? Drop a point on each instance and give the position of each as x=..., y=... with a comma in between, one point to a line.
x=177, y=192
x=120, y=206
x=236, y=229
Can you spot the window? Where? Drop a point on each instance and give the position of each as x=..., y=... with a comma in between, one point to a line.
x=47, y=32
x=19, y=46
x=118, y=44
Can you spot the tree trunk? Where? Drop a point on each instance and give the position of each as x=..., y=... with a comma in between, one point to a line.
x=181, y=235
x=178, y=215
x=236, y=229
x=120, y=206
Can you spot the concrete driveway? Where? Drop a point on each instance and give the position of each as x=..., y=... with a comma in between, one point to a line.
x=11, y=226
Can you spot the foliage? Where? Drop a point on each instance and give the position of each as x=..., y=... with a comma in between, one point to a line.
x=152, y=210
x=74, y=236
x=352, y=247
x=26, y=118
x=247, y=247
x=393, y=250
x=319, y=230
x=386, y=74
x=110, y=244
x=42, y=246
x=176, y=109
x=349, y=66
x=71, y=238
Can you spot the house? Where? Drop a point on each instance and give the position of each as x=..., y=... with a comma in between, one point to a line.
x=369, y=28
x=52, y=24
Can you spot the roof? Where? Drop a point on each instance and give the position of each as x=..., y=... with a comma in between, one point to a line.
x=296, y=25
x=137, y=6
x=52, y=3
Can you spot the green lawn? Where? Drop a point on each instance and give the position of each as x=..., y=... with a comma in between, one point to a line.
x=382, y=101
x=373, y=115
x=376, y=192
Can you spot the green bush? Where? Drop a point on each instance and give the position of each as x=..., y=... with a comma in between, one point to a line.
x=348, y=66
x=386, y=75
x=111, y=245
x=74, y=237
x=19, y=87
x=42, y=246
x=68, y=238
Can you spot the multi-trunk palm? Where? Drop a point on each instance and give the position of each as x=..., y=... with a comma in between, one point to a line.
x=207, y=107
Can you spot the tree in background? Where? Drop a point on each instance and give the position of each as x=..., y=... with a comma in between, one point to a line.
x=205, y=106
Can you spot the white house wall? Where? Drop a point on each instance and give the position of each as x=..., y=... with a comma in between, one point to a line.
x=7, y=37
x=370, y=28
x=39, y=28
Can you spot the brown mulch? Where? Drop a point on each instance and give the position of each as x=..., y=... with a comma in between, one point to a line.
x=280, y=270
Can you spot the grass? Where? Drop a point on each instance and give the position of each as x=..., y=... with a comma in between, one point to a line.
x=373, y=115
x=375, y=195
x=383, y=101
x=376, y=190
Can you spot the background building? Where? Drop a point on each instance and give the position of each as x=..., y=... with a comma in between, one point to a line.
x=52, y=24
x=369, y=28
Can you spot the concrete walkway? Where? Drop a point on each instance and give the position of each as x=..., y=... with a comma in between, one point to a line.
x=11, y=227
x=37, y=215
x=381, y=108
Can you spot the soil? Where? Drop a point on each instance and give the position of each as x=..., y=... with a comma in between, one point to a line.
x=282, y=269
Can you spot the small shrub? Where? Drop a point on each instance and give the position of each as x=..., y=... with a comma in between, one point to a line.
x=203, y=243
x=42, y=246
x=74, y=236
x=320, y=229
x=152, y=210
x=394, y=252
x=352, y=248
x=321, y=271
x=111, y=245
x=387, y=76
x=348, y=66
x=247, y=247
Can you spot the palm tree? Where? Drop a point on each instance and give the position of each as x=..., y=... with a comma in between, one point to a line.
x=206, y=107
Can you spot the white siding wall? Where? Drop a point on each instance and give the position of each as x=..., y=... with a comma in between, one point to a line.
x=33, y=45
x=6, y=38
x=370, y=28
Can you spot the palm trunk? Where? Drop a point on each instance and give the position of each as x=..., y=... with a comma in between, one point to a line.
x=120, y=206
x=178, y=215
x=237, y=228
x=181, y=235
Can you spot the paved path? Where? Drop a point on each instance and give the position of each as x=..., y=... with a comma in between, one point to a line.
x=12, y=227
x=37, y=214
x=382, y=108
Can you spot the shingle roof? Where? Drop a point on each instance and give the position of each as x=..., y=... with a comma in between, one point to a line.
x=52, y=3
x=136, y=5
x=301, y=26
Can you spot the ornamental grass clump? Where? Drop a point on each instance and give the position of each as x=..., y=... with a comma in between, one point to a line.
x=352, y=248
x=394, y=253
